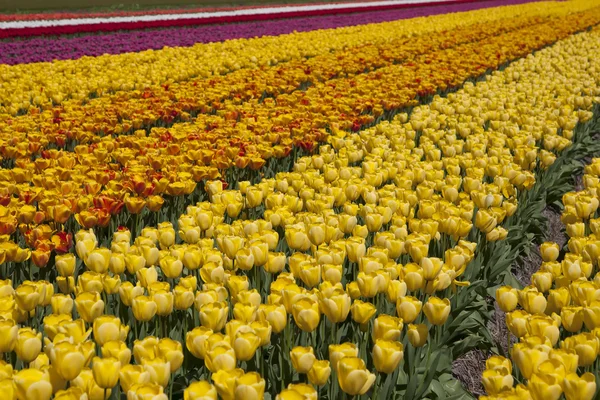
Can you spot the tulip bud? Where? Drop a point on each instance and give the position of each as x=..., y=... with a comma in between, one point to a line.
x=89, y=306
x=408, y=308
x=221, y=357
x=549, y=251
x=302, y=358
x=319, y=372
x=362, y=312
x=68, y=360
x=130, y=375
x=437, y=310
x=144, y=308
x=387, y=354
x=65, y=264
x=117, y=349
x=353, y=376
x=306, y=314
x=29, y=344
x=506, y=297
x=417, y=334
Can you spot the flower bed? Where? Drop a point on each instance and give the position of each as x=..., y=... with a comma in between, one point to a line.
x=337, y=233
x=38, y=49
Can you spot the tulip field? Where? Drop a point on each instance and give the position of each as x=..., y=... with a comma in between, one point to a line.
x=311, y=207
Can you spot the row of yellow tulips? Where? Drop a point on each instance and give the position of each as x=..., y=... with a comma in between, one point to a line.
x=139, y=177
x=100, y=76
x=128, y=111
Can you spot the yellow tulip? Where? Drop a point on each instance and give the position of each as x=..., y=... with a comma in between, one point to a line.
x=339, y=351
x=275, y=315
x=306, y=314
x=226, y=381
x=372, y=283
x=231, y=245
x=353, y=376
x=146, y=391
x=172, y=351
x=117, y=349
x=244, y=259
x=144, y=308
x=6, y=369
x=68, y=360
x=319, y=373
x=417, y=334
x=497, y=380
x=387, y=327
x=65, y=264
x=184, y=297
x=591, y=315
x=107, y=328
x=362, y=312
x=29, y=344
x=159, y=369
x=302, y=358
x=557, y=299
x=413, y=276
x=290, y=394
x=528, y=359
x=275, y=262
x=437, y=310
x=128, y=292
x=542, y=325
x=305, y=389
x=568, y=358
x=72, y=393
x=171, y=267
x=572, y=318
x=245, y=345
x=32, y=384
x=9, y=331
x=532, y=300
x=89, y=306
x=408, y=308
x=244, y=312
x=586, y=345
x=507, y=299
x=387, y=354
x=85, y=381
x=516, y=322
x=579, y=388
x=214, y=315
x=336, y=306
x=106, y=371
x=249, y=386
x=200, y=390
x=544, y=387
x=431, y=267
x=27, y=297
x=130, y=375
x=146, y=348
x=98, y=259
x=221, y=357
x=549, y=251
x=194, y=341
